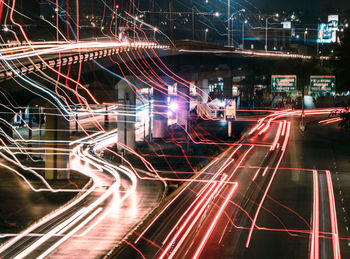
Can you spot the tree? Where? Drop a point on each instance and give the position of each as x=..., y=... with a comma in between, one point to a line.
x=343, y=64
x=345, y=115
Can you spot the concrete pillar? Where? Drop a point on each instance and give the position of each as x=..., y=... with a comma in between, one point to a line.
x=7, y=116
x=57, y=136
x=183, y=113
x=184, y=104
x=30, y=123
x=106, y=124
x=204, y=86
x=126, y=115
x=159, y=112
x=228, y=87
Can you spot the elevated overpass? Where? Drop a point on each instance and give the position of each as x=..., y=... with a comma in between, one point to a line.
x=25, y=59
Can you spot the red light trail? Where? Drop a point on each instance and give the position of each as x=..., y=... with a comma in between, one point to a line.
x=214, y=187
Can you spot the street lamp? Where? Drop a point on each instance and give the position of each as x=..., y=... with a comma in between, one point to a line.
x=243, y=23
x=216, y=14
x=155, y=29
x=205, y=34
x=230, y=26
x=228, y=22
x=116, y=20
x=305, y=35
x=267, y=19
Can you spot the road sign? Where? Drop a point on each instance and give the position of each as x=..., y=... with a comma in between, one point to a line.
x=230, y=109
x=284, y=83
x=322, y=84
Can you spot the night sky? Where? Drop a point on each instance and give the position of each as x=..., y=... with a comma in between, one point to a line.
x=301, y=4
x=260, y=5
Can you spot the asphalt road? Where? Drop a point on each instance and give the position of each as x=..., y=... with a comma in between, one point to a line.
x=278, y=194
x=286, y=192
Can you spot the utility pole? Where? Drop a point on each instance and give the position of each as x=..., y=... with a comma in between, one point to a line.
x=151, y=6
x=133, y=14
x=149, y=116
x=171, y=19
x=302, y=110
x=305, y=35
x=193, y=22
x=243, y=33
x=228, y=22
x=266, y=28
x=116, y=21
x=128, y=109
x=266, y=35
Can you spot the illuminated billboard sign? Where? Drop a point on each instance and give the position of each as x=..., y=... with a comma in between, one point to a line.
x=193, y=90
x=172, y=90
x=230, y=109
x=283, y=83
x=322, y=84
x=287, y=25
x=333, y=21
x=327, y=33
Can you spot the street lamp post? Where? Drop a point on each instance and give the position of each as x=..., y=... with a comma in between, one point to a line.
x=305, y=35
x=267, y=19
x=116, y=20
x=216, y=14
x=266, y=35
x=243, y=33
x=232, y=31
x=205, y=34
x=228, y=22
x=155, y=29
x=192, y=22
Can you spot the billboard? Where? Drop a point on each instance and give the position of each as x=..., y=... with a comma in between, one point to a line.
x=322, y=84
x=324, y=35
x=333, y=22
x=285, y=83
x=287, y=25
x=172, y=90
x=193, y=89
x=327, y=33
x=230, y=109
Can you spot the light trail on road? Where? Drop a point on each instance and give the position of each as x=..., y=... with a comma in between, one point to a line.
x=45, y=71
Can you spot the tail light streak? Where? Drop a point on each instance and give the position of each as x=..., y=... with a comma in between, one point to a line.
x=333, y=215
x=189, y=217
x=273, y=146
x=176, y=197
x=314, y=253
x=212, y=225
x=328, y=121
x=199, y=214
x=268, y=187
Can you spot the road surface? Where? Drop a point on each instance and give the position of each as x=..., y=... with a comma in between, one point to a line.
x=258, y=200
